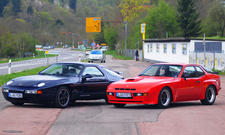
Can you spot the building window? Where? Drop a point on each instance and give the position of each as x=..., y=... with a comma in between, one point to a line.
x=174, y=48
x=164, y=48
x=184, y=49
x=157, y=48
x=150, y=47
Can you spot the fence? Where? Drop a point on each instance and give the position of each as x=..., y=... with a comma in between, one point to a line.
x=130, y=53
x=211, y=61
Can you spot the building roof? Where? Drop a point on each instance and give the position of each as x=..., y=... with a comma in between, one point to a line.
x=179, y=40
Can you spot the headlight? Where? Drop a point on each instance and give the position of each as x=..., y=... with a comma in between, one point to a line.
x=111, y=93
x=5, y=90
x=9, y=82
x=33, y=91
x=41, y=84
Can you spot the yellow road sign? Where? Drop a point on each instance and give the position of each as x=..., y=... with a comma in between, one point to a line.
x=46, y=52
x=93, y=24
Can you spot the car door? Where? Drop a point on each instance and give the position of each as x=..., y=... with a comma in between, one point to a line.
x=189, y=87
x=96, y=85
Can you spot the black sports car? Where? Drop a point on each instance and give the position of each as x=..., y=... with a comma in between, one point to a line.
x=61, y=83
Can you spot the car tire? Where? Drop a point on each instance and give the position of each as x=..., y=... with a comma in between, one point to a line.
x=88, y=61
x=18, y=103
x=210, y=96
x=119, y=105
x=164, y=99
x=62, y=97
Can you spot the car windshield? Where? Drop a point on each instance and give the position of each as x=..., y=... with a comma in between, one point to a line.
x=96, y=52
x=163, y=70
x=63, y=70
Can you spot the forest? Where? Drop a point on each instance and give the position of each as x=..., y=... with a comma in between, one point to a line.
x=25, y=23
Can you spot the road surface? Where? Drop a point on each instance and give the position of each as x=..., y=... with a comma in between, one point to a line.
x=96, y=118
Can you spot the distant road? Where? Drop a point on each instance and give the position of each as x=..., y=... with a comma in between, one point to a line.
x=65, y=55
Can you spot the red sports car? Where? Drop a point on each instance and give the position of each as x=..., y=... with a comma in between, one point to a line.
x=165, y=83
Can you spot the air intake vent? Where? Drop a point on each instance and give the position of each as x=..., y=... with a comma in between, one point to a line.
x=125, y=89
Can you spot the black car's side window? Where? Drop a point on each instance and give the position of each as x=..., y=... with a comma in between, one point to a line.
x=199, y=72
x=189, y=72
x=95, y=72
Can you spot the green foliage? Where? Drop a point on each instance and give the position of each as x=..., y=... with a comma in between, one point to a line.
x=111, y=36
x=3, y=3
x=72, y=4
x=6, y=78
x=188, y=18
x=216, y=20
x=12, y=45
x=130, y=9
x=117, y=56
x=99, y=37
x=16, y=6
x=30, y=10
x=161, y=19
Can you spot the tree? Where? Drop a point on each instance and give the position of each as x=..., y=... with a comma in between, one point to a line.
x=3, y=3
x=16, y=6
x=130, y=9
x=188, y=18
x=216, y=18
x=73, y=4
x=110, y=35
x=161, y=21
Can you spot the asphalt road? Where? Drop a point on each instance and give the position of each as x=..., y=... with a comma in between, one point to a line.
x=96, y=118
x=64, y=56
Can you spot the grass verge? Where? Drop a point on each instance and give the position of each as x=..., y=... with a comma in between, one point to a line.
x=40, y=54
x=6, y=78
x=117, y=56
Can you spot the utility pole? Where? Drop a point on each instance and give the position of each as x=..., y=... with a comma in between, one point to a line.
x=204, y=48
x=125, y=38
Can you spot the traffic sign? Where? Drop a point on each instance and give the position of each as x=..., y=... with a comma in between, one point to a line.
x=93, y=24
x=46, y=52
x=143, y=27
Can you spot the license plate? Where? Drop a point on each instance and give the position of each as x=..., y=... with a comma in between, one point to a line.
x=123, y=95
x=15, y=95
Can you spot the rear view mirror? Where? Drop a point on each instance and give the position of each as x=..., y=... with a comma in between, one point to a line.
x=84, y=78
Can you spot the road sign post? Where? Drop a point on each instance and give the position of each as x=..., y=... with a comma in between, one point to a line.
x=143, y=25
x=9, y=66
x=93, y=24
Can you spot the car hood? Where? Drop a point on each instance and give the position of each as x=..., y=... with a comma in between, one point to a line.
x=141, y=82
x=34, y=80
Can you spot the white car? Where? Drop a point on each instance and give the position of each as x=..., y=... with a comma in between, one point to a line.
x=104, y=48
x=96, y=55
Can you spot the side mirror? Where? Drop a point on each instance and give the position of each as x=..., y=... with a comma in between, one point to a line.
x=185, y=76
x=84, y=78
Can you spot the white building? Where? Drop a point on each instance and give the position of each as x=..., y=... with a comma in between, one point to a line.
x=186, y=51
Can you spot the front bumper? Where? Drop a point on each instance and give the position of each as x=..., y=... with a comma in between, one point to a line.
x=150, y=98
x=45, y=97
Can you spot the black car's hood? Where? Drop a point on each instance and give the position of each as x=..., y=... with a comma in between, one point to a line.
x=34, y=80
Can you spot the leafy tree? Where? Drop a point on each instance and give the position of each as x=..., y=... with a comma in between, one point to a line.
x=111, y=36
x=16, y=6
x=216, y=19
x=130, y=9
x=72, y=4
x=161, y=19
x=30, y=10
x=188, y=18
x=3, y=3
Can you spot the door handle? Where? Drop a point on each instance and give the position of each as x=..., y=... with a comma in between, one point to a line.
x=198, y=81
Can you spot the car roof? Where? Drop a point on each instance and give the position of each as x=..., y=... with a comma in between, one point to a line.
x=181, y=64
x=80, y=63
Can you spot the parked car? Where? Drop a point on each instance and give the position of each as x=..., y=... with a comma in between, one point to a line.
x=104, y=48
x=164, y=84
x=61, y=84
x=96, y=55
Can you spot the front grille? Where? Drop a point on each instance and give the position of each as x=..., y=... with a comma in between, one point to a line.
x=125, y=89
x=125, y=101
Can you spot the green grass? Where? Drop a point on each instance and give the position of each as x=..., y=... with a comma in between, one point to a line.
x=40, y=54
x=117, y=56
x=6, y=78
